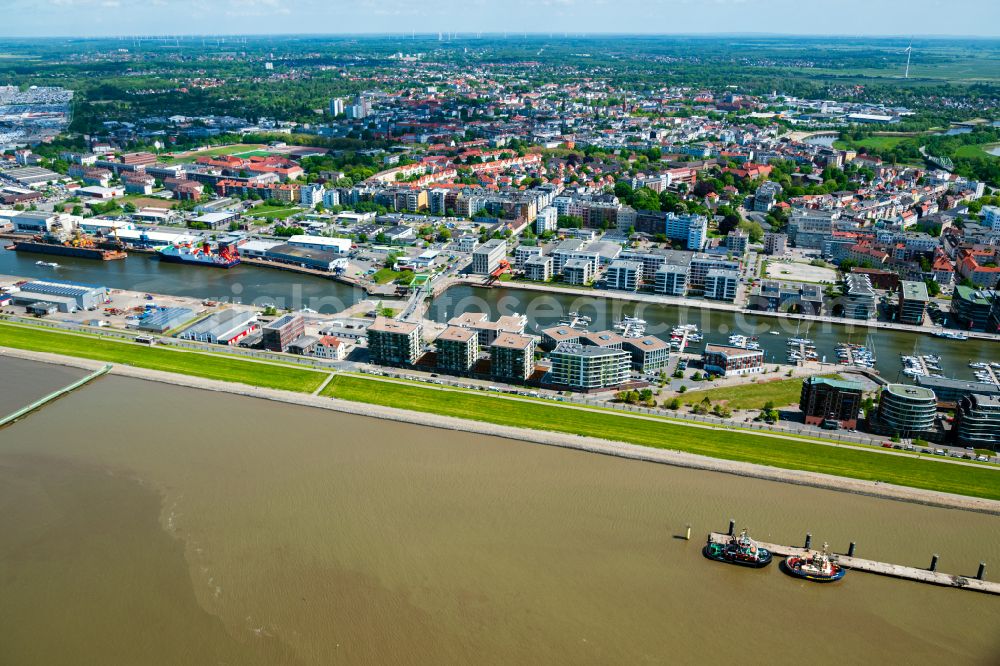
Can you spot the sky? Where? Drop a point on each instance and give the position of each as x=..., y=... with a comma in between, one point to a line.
x=89, y=18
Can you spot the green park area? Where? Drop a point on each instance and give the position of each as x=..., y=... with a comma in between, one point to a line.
x=752, y=396
x=871, y=143
x=274, y=212
x=977, y=150
x=655, y=432
x=386, y=275
x=237, y=149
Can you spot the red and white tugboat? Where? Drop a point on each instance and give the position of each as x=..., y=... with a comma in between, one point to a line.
x=819, y=567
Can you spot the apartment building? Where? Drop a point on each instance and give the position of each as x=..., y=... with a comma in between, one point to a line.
x=775, y=243
x=701, y=264
x=650, y=354
x=624, y=275
x=512, y=357
x=913, y=299
x=457, y=350
x=538, y=268
x=394, y=342
x=671, y=280
x=721, y=285
x=578, y=272
x=824, y=400
x=692, y=230
x=589, y=368
x=524, y=252
x=732, y=361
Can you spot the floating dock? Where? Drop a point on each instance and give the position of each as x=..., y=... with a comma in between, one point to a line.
x=10, y=418
x=849, y=561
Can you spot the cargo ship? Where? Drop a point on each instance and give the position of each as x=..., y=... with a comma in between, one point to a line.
x=80, y=246
x=741, y=550
x=199, y=255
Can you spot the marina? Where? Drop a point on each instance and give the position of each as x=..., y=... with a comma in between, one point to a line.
x=881, y=353
x=851, y=562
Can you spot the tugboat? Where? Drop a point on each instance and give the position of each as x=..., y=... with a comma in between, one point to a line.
x=818, y=567
x=741, y=550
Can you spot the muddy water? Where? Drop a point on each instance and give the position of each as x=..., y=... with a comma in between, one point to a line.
x=23, y=382
x=192, y=527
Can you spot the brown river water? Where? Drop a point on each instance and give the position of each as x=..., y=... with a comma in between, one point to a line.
x=150, y=524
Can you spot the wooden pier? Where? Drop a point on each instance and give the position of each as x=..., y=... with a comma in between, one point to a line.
x=931, y=576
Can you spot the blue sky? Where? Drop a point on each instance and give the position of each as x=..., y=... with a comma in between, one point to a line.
x=848, y=17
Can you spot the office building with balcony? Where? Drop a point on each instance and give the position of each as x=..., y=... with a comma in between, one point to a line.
x=859, y=297
x=486, y=258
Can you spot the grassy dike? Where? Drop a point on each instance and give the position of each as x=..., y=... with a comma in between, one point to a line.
x=196, y=364
x=730, y=445
x=726, y=444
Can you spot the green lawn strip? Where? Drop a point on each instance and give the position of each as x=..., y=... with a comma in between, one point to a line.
x=751, y=396
x=612, y=410
x=384, y=275
x=197, y=364
x=101, y=334
x=730, y=445
x=273, y=213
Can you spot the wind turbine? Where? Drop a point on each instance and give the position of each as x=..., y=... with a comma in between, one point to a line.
x=908, y=52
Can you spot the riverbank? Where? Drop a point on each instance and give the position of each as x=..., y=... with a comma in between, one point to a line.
x=589, y=444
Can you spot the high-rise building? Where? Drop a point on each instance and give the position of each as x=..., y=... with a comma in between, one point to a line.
x=913, y=298
x=336, y=107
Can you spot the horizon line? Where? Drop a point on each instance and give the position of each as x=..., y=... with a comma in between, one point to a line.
x=509, y=35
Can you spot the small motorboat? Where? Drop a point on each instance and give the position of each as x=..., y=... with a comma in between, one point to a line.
x=819, y=567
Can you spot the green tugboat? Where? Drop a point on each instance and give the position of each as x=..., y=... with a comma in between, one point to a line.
x=741, y=550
